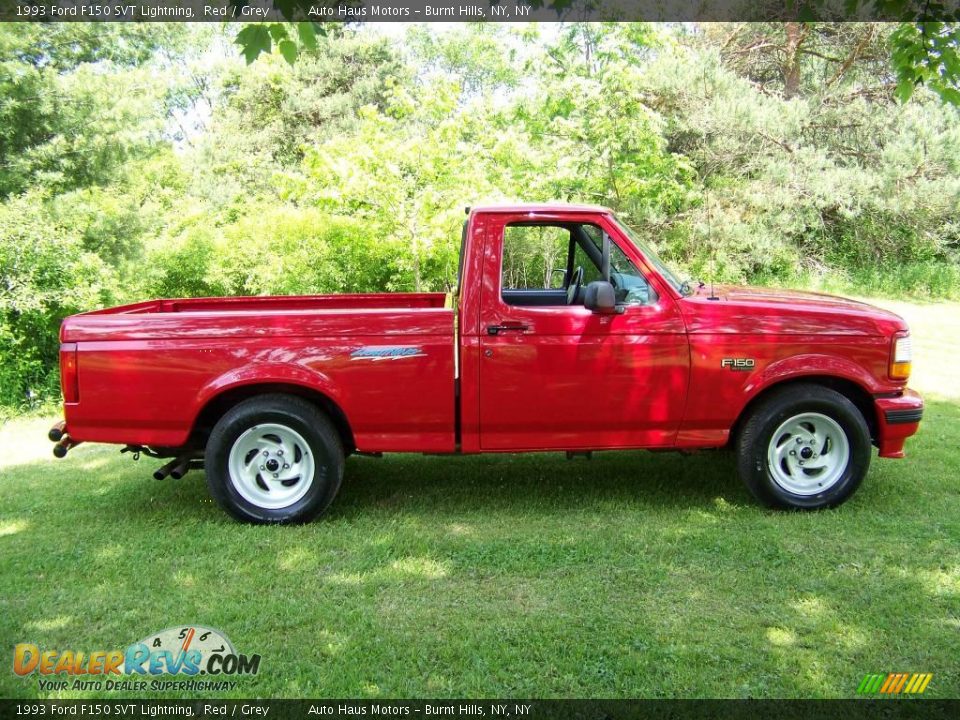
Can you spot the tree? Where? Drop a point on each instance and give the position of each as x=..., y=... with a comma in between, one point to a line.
x=45, y=274
x=802, y=59
x=592, y=124
x=407, y=172
x=63, y=122
x=923, y=52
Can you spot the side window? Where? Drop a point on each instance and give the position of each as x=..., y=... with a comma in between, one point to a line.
x=537, y=268
x=590, y=270
x=535, y=257
x=629, y=284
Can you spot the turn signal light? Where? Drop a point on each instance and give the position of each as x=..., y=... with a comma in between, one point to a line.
x=901, y=357
x=68, y=373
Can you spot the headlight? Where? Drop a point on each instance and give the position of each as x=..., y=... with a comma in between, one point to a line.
x=901, y=357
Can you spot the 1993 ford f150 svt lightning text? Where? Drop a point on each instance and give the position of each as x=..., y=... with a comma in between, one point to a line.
x=566, y=332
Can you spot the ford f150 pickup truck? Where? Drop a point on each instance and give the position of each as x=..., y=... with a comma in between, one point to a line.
x=565, y=332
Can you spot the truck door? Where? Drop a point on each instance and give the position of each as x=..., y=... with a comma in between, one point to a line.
x=554, y=375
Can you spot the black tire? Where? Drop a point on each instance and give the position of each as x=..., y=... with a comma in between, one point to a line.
x=306, y=421
x=753, y=446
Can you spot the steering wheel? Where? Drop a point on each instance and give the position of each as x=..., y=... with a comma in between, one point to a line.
x=573, y=289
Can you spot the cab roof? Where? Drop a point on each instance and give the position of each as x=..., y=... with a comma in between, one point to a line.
x=538, y=207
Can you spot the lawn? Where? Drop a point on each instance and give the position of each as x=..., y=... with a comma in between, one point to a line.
x=631, y=575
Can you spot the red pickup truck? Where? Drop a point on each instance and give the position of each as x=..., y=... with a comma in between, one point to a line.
x=565, y=332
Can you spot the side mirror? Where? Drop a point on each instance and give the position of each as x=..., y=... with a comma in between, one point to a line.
x=600, y=297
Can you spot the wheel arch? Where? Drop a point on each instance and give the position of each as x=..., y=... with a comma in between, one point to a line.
x=850, y=389
x=220, y=403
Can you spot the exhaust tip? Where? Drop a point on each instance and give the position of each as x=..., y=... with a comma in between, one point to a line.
x=161, y=472
x=65, y=443
x=57, y=432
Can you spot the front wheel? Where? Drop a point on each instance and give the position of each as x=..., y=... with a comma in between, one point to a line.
x=804, y=447
x=274, y=459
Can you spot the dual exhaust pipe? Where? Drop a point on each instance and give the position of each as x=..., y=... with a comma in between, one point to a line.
x=58, y=434
x=177, y=468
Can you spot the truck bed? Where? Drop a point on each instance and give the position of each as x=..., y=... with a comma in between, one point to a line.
x=358, y=301
x=235, y=316
x=147, y=371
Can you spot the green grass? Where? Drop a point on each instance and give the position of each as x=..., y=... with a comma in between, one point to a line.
x=934, y=279
x=632, y=575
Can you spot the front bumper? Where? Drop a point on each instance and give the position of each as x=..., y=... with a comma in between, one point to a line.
x=897, y=419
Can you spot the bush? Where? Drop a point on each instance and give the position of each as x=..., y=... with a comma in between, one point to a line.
x=46, y=275
x=272, y=250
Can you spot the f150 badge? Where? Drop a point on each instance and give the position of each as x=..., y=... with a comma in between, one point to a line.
x=387, y=352
x=738, y=364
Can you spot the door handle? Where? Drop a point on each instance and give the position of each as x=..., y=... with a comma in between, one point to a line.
x=507, y=327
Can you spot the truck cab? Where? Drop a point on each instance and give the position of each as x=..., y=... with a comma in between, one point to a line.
x=602, y=377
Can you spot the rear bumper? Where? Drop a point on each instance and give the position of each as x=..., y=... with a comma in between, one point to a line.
x=897, y=419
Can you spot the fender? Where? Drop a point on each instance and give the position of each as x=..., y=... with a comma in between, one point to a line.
x=265, y=374
x=811, y=364
x=713, y=427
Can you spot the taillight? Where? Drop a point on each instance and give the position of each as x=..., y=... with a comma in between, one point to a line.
x=901, y=357
x=68, y=373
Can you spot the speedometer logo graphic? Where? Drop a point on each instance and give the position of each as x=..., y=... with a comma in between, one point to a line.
x=192, y=637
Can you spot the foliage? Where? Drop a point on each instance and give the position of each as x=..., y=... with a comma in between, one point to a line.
x=920, y=53
x=46, y=274
x=56, y=130
x=281, y=110
x=256, y=39
x=928, y=54
x=408, y=172
x=479, y=56
x=830, y=179
x=592, y=126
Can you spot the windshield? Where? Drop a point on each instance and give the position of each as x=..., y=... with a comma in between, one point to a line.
x=652, y=257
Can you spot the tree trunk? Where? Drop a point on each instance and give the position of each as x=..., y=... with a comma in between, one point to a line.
x=791, y=61
x=416, y=266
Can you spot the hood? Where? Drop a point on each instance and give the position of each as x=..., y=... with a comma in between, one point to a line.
x=748, y=310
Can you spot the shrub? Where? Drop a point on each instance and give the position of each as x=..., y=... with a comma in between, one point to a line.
x=45, y=275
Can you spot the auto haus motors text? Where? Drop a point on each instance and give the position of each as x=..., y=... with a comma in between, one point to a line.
x=137, y=660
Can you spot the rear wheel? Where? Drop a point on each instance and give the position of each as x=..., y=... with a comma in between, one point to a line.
x=274, y=459
x=804, y=447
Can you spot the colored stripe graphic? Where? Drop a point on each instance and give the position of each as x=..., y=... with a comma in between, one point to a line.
x=894, y=683
x=901, y=681
x=913, y=682
x=870, y=684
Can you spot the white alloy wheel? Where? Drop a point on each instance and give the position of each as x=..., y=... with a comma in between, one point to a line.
x=271, y=466
x=808, y=454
